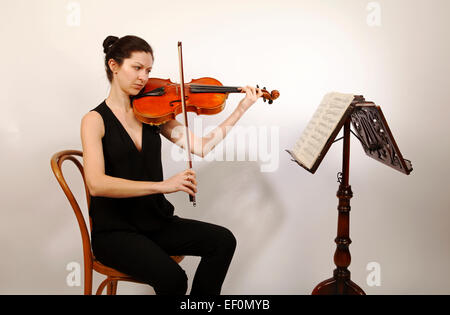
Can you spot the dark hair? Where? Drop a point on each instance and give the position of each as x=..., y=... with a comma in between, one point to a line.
x=121, y=48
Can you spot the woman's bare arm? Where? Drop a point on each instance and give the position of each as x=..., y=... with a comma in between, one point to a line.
x=201, y=146
x=100, y=184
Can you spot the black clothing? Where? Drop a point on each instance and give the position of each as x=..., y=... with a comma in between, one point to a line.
x=138, y=235
x=145, y=256
x=122, y=159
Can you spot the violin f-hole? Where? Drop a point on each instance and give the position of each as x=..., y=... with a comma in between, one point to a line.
x=178, y=101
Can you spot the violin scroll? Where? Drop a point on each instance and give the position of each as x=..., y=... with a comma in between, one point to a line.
x=269, y=96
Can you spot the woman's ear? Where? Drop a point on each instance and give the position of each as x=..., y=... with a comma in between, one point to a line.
x=113, y=65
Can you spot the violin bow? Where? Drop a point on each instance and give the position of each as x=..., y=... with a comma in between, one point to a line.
x=183, y=102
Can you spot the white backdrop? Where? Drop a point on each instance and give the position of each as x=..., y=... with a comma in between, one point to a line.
x=395, y=53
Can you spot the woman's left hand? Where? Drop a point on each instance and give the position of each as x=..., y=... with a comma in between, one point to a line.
x=252, y=95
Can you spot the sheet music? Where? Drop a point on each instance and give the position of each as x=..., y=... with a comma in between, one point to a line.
x=320, y=127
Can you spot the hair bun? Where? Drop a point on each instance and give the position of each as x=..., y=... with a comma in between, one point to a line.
x=108, y=42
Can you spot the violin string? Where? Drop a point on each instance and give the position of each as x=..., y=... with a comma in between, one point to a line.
x=198, y=88
x=212, y=87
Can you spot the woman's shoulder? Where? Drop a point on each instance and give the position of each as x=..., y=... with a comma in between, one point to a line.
x=95, y=115
x=92, y=117
x=93, y=120
x=101, y=109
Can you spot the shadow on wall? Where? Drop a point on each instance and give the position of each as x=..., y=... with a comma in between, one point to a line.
x=238, y=196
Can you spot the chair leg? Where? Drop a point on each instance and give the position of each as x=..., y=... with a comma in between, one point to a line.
x=88, y=281
x=102, y=286
x=112, y=287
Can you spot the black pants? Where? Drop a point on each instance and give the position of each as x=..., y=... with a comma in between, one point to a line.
x=146, y=256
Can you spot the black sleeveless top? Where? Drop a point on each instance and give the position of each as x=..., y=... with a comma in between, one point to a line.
x=124, y=160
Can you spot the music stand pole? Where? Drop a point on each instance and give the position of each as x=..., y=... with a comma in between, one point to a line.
x=341, y=283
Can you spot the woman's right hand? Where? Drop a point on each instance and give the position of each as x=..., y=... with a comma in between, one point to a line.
x=184, y=181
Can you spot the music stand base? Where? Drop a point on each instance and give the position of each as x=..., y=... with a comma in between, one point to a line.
x=334, y=286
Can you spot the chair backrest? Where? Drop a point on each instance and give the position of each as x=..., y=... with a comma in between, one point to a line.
x=56, y=164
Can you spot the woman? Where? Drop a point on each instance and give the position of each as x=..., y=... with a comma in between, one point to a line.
x=134, y=229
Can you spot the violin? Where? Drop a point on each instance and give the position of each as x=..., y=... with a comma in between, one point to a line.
x=162, y=100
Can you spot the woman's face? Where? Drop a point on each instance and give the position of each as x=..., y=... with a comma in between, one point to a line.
x=133, y=74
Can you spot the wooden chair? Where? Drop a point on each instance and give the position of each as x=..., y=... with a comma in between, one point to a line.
x=90, y=263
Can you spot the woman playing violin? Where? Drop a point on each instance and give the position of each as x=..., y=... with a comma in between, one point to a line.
x=134, y=229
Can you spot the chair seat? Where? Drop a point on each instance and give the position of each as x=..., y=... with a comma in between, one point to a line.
x=111, y=272
x=108, y=271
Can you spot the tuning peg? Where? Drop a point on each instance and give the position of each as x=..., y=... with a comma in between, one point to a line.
x=264, y=100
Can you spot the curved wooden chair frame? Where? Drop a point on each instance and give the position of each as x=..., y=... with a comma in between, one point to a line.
x=90, y=263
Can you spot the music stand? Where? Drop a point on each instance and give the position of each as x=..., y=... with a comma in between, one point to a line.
x=378, y=142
